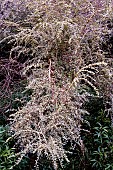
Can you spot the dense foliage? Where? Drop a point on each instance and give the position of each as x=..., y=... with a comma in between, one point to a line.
x=56, y=55
x=8, y=154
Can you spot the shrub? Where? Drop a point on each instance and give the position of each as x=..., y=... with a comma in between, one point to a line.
x=12, y=14
x=97, y=136
x=67, y=62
